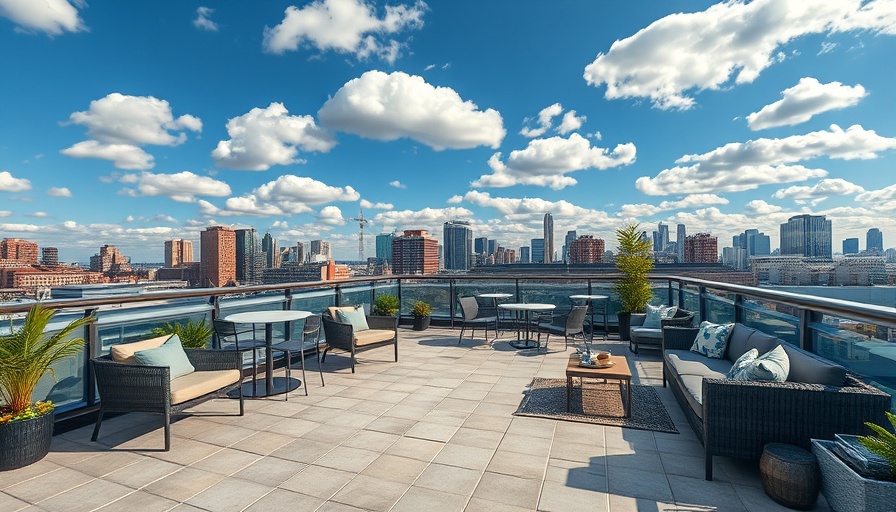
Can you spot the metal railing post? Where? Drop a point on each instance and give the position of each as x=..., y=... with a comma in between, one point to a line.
x=739, y=315
x=91, y=350
x=287, y=305
x=680, y=294
x=338, y=299
x=669, y=292
x=452, y=299
x=804, y=330
x=701, y=301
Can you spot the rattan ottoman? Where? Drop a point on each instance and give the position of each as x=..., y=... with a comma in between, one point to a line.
x=790, y=475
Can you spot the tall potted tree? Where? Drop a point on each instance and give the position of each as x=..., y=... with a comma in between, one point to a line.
x=26, y=355
x=634, y=258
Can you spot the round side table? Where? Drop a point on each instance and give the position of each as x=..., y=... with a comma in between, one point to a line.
x=790, y=475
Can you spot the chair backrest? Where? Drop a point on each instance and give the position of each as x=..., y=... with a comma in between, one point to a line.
x=312, y=326
x=575, y=321
x=227, y=332
x=469, y=307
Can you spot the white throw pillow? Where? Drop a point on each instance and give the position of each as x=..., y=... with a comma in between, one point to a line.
x=712, y=339
x=655, y=316
x=773, y=366
x=742, y=362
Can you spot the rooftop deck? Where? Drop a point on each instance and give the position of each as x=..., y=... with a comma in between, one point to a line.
x=434, y=431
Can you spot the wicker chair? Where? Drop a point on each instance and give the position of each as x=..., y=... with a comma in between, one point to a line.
x=469, y=307
x=740, y=417
x=382, y=333
x=653, y=338
x=574, y=325
x=137, y=388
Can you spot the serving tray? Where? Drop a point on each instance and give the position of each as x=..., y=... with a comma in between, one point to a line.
x=598, y=365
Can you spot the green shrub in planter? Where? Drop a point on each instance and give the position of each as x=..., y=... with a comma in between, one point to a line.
x=386, y=305
x=192, y=334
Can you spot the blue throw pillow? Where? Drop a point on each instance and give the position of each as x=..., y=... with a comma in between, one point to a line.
x=355, y=317
x=772, y=366
x=712, y=339
x=742, y=362
x=170, y=354
x=655, y=315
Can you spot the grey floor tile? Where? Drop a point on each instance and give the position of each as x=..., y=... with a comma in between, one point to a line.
x=140, y=501
x=396, y=469
x=226, y=462
x=518, y=464
x=11, y=504
x=417, y=499
x=370, y=493
x=470, y=457
x=281, y=499
x=509, y=490
x=346, y=458
x=143, y=472
x=451, y=479
x=411, y=447
x=90, y=496
x=49, y=484
x=371, y=440
x=270, y=471
x=482, y=505
x=229, y=495
x=637, y=483
x=17, y=476
x=701, y=493
x=556, y=497
x=318, y=481
x=184, y=484
x=303, y=450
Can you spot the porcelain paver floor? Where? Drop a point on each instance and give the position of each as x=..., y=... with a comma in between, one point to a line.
x=433, y=431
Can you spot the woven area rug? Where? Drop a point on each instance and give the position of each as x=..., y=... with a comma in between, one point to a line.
x=602, y=402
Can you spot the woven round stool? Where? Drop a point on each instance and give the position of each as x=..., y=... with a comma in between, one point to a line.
x=790, y=475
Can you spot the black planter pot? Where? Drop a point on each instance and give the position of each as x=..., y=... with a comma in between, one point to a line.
x=25, y=442
x=421, y=323
x=625, y=322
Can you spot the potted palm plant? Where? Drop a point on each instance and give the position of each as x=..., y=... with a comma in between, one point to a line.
x=26, y=355
x=634, y=258
x=386, y=305
x=421, y=314
x=192, y=334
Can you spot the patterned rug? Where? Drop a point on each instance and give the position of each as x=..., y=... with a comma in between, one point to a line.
x=602, y=404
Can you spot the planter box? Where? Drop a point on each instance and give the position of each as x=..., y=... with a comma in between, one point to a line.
x=845, y=490
x=861, y=459
x=421, y=323
x=25, y=442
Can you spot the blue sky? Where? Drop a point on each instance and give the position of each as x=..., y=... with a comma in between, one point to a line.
x=129, y=123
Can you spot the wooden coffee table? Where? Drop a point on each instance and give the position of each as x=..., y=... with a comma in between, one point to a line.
x=619, y=371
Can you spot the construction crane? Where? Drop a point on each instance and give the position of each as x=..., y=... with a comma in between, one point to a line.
x=361, y=222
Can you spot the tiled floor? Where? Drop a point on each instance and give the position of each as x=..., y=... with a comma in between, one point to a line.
x=434, y=432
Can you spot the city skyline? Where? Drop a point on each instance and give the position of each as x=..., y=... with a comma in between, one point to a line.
x=727, y=116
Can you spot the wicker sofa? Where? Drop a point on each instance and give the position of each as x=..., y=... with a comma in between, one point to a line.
x=737, y=418
x=653, y=338
x=125, y=386
x=382, y=333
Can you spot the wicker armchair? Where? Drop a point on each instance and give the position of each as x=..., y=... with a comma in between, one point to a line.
x=653, y=338
x=382, y=333
x=740, y=417
x=137, y=388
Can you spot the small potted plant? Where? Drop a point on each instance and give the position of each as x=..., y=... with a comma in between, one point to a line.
x=421, y=314
x=634, y=258
x=386, y=305
x=192, y=334
x=845, y=489
x=26, y=355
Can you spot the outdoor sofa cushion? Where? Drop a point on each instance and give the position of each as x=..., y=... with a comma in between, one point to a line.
x=808, y=368
x=355, y=317
x=370, y=336
x=744, y=338
x=196, y=384
x=124, y=352
x=170, y=354
x=647, y=333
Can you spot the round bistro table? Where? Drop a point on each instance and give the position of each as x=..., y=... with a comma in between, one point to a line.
x=526, y=307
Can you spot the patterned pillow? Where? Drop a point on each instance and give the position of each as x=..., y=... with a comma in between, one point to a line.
x=773, y=366
x=712, y=339
x=656, y=314
x=742, y=362
x=355, y=317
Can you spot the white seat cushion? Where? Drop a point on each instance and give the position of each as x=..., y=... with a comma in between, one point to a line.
x=193, y=385
x=124, y=352
x=373, y=336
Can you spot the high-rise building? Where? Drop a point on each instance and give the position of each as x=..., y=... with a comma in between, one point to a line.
x=300, y=253
x=661, y=238
x=178, y=251
x=524, y=255
x=701, y=248
x=18, y=249
x=754, y=242
x=851, y=246
x=320, y=250
x=680, y=236
x=548, y=238
x=249, y=256
x=586, y=249
x=480, y=245
x=537, y=253
x=492, y=247
x=271, y=251
x=807, y=235
x=874, y=240
x=504, y=255
x=49, y=256
x=217, y=248
x=458, y=242
x=110, y=259
x=570, y=236
x=384, y=246
x=415, y=252
x=735, y=257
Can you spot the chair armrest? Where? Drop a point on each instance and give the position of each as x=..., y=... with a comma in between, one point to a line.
x=681, y=321
x=209, y=360
x=681, y=338
x=338, y=334
x=132, y=387
x=382, y=322
x=637, y=319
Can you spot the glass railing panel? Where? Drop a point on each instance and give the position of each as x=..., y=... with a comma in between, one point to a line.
x=435, y=293
x=772, y=318
x=692, y=302
x=356, y=296
x=555, y=292
x=863, y=348
x=719, y=307
x=66, y=386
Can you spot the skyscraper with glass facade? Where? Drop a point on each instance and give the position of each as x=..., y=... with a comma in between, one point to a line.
x=807, y=235
x=537, y=250
x=874, y=240
x=548, y=238
x=457, y=241
x=384, y=246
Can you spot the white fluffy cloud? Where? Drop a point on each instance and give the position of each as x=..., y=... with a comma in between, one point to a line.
x=820, y=191
x=390, y=106
x=182, y=187
x=760, y=207
x=804, y=100
x=9, y=183
x=53, y=17
x=376, y=206
x=545, y=162
x=345, y=26
x=744, y=166
x=570, y=121
x=119, y=124
x=881, y=195
x=646, y=210
x=331, y=216
x=264, y=137
x=730, y=40
x=286, y=195
x=203, y=20
x=430, y=219
x=59, y=192
x=397, y=184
